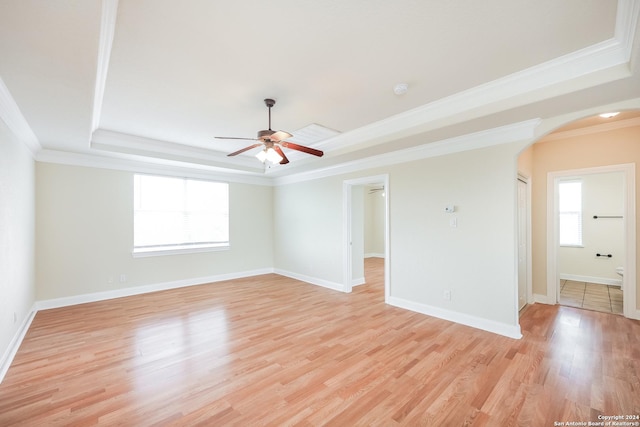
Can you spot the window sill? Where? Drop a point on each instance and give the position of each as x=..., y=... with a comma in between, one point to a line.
x=178, y=250
x=571, y=246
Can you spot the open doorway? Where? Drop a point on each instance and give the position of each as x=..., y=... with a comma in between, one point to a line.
x=590, y=217
x=591, y=145
x=366, y=232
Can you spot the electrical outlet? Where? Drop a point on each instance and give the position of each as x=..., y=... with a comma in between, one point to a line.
x=123, y=278
x=447, y=295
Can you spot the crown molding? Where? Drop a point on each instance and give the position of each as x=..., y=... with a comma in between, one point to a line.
x=521, y=131
x=515, y=89
x=603, y=127
x=116, y=142
x=626, y=23
x=148, y=165
x=107, y=31
x=12, y=116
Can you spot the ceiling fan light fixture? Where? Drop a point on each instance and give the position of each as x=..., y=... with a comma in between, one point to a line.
x=262, y=155
x=269, y=154
x=273, y=156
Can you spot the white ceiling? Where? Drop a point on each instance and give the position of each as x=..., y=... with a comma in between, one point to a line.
x=156, y=80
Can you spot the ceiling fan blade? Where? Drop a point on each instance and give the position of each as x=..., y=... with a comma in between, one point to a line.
x=235, y=153
x=280, y=135
x=235, y=137
x=284, y=160
x=302, y=148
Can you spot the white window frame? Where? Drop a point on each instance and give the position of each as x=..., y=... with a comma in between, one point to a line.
x=185, y=246
x=579, y=214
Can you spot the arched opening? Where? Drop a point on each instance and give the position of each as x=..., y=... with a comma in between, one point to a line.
x=585, y=248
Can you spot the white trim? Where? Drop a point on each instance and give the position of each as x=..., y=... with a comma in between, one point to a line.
x=12, y=116
x=122, y=143
x=14, y=344
x=144, y=289
x=589, y=130
x=311, y=280
x=373, y=255
x=626, y=22
x=357, y=282
x=529, y=261
x=148, y=166
x=145, y=253
x=107, y=31
x=629, y=217
x=542, y=299
x=590, y=279
x=521, y=131
x=511, y=331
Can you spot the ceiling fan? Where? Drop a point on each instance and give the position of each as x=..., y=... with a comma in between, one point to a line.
x=273, y=142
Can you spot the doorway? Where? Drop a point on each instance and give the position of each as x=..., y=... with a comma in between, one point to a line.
x=353, y=218
x=524, y=282
x=557, y=281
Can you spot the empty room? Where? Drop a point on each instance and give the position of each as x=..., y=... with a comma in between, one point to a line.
x=311, y=213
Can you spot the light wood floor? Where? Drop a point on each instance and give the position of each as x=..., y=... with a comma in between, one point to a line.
x=273, y=351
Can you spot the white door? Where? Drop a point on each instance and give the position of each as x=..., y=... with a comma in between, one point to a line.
x=522, y=244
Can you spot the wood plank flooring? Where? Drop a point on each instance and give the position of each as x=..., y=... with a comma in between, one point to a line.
x=273, y=351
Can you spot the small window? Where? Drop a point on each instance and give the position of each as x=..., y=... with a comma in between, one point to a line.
x=570, y=207
x=179, y=215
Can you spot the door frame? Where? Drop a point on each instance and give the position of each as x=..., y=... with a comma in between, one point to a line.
x=629, y=226
x=529, y=261
x=347, y=209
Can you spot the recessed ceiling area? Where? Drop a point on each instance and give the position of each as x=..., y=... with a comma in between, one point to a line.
x=155, y=80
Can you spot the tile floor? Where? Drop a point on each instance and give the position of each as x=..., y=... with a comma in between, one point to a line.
x=591, y=296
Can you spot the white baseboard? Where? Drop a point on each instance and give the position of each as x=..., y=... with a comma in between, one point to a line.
x=359, y=281
x=511, y=331
x=374, y=255
x=138, y=290
x=312, y=280
x=542, y=299
x=14, y=345
x=591, y=279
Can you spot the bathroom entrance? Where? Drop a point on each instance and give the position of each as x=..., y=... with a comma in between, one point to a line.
x=591, y=247
x=592, y=222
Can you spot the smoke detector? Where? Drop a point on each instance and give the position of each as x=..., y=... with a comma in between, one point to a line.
x=400, y=88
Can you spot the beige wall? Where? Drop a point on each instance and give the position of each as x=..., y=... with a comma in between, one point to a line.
x=308, y=229
x=374, y=223
x=17, y=237
x=614, y=147
x=84, y=221
x=475, y=261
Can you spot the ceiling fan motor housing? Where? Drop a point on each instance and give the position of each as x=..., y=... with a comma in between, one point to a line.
x=262, y=134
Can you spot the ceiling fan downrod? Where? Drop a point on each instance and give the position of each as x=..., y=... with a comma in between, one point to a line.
x=269, y=103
